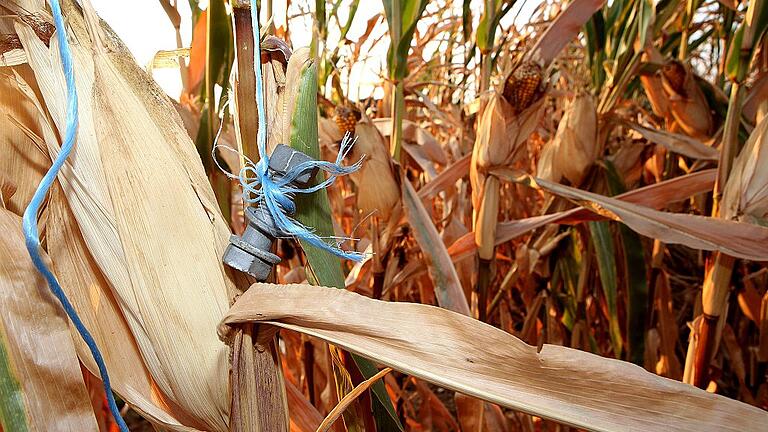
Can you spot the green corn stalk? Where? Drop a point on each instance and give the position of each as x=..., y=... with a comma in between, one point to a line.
x=314, y=210
x=218, y=62
x=402, y=16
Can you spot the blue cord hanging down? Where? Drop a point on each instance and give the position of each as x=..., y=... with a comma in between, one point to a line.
x=29, y=221
x=277, y=195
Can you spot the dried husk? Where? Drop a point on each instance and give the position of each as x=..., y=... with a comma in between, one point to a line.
x=468, y=356
x=654, y=89
x=377, y=189
x=501, y=137
x=487, y=218
x=574, y=147
x=138, y=191
x=42, y=385
x=90, y=293
x=494, y=143
x=687, y=102
x=745, y=196
x=22, y=162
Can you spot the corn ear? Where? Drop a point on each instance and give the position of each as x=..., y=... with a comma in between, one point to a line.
x=687, y=102
x=745, y=196
x=654, y=89
x=487, y=219
x=143, y=203
x=575, y=147
x=377, y=189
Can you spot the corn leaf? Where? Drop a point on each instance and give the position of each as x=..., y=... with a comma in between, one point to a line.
x=736, y=239
x=314, y=210
x=448, y=290
x=41, y=385
x=468, y=356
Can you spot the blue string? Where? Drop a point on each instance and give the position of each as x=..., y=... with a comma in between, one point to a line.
x=29, y=221
x=276, y=195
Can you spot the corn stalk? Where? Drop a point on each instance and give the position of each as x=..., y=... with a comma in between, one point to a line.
x=719, y=270
x=402, y=17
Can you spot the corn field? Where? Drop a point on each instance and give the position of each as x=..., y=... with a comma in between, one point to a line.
x=542, y=215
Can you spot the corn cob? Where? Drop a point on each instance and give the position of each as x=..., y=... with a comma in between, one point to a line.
x=523, y=85
x=345, y=119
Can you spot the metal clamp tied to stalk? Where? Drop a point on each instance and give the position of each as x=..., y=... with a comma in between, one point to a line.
x=252, y=253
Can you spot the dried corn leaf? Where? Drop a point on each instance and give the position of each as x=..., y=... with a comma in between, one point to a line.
x=139, y=194
x=563, y=29
x=736, y=239
x=677, y=143
x=377, y=189
x=448, y=290
x=465, y=355
x=41, y=385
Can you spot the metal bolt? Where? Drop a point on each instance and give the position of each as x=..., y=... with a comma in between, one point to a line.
x=251, y=253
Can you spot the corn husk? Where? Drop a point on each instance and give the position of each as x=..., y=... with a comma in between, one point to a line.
x=570, y=386
x=574, y=147
x=42, y=386
x=75, y=268
x=377, y=189
x=654, y=89
x=745, y=195
x=22, y=161
x=501, y=137
x=137, y=189
x=687, y=102
x=487, y=218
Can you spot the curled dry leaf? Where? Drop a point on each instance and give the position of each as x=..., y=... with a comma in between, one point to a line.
x=736, y=239
x=448, y=290
x=468, y=356
x=677, y=143
x=42, y=386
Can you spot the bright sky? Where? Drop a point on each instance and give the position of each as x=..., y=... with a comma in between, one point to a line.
x=145, y=29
